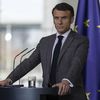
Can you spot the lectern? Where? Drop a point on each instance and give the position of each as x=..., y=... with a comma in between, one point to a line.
x=9, y=93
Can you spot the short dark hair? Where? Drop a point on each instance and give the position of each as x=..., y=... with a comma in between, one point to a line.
x=63, y=7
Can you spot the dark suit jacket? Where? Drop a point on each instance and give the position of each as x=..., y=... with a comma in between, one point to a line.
x=70, y=62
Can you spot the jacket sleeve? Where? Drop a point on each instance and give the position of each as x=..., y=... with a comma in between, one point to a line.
x=27, y=65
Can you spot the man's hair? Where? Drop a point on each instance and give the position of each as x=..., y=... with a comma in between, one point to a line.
x=64, y=7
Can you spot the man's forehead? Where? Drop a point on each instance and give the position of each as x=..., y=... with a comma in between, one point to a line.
x=61, y=13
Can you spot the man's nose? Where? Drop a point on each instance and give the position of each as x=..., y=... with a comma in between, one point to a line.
x=60, y=21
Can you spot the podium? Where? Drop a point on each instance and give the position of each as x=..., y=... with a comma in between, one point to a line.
x=23, y=93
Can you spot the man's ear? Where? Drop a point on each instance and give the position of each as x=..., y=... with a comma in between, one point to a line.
x=72, y=20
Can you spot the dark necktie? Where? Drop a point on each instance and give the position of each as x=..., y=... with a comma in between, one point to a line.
x=54, y=60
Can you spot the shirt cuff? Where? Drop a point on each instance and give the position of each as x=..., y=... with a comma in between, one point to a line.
x=71, y=84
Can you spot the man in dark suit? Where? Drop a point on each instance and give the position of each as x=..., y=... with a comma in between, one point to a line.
x=62, y=56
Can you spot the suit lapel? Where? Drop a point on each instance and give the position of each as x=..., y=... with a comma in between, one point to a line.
x=66, y=45
x=49, y=50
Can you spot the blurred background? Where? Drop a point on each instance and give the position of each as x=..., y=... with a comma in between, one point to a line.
x=22, y=24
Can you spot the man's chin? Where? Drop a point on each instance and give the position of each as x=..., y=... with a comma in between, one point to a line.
x=61, y=32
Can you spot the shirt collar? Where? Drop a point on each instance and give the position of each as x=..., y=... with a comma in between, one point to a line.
x=65, y=34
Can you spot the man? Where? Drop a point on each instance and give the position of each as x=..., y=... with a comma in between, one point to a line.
x=62, y=55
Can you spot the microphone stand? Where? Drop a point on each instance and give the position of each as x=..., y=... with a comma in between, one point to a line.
x=23, y=56
x=16, y=57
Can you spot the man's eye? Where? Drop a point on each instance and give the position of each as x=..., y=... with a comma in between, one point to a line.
x=64, y=17
x=56, y=18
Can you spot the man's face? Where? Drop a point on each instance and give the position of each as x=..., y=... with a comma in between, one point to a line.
x=62, y=20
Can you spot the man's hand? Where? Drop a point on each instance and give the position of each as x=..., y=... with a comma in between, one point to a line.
x=5, y=82
x=63, y=86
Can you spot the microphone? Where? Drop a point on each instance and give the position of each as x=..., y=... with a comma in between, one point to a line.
x=25, y=54
x=14, y=66
x=17, y=56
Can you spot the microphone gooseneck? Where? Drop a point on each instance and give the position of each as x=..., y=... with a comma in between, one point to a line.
x=17, y=56
x=25, y=54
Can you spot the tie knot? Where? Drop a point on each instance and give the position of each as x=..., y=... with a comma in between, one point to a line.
x=60, y=37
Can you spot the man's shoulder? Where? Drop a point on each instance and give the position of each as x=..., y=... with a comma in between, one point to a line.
x=79, y=36
x=49, y=37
